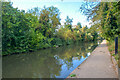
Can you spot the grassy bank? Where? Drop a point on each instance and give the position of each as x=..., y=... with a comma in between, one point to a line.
x=111, y=47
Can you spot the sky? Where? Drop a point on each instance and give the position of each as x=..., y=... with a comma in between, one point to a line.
x=67, y=8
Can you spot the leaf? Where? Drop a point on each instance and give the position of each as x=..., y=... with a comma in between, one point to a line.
x=72, y=75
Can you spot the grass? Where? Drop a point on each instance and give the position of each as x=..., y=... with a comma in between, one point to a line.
x=72, y=75
x=111, y=47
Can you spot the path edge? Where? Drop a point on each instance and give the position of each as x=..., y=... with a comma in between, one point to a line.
x=82, y=62
x=114, y=62
x=115, y=65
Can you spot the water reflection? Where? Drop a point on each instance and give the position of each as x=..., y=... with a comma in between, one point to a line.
x=48, y=63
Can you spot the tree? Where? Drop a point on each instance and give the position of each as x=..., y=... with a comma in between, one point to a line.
x=86, y=27
x=68, y=23
x=54, y=18
x=35, y=11
x=49, y=20
x=110, y=26
x=103, y=16
x=44, y=22
x=79, y=25
x=15, y=30
x=18, y=30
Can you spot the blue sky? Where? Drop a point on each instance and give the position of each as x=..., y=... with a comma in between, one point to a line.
x=66, y=8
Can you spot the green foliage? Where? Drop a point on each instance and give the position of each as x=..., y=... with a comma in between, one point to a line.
x=117, y=57
x=37, y=29
x=105, y=17
x=79, y=25
x=72, y=75
x=18, y=30
x=111, y=47
x=49, y=20
x=68, y=23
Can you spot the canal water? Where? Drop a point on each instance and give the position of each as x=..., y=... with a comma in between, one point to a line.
x=48, y=63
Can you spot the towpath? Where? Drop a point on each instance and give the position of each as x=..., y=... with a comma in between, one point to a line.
x=97, y=65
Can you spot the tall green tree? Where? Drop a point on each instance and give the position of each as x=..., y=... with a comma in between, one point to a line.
x=54, y=18
x=68, y=23
x=49, y=20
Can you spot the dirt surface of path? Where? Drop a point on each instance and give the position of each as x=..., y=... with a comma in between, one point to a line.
x=97, y=65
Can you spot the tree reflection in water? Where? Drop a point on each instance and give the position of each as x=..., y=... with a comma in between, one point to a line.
x=47, y=63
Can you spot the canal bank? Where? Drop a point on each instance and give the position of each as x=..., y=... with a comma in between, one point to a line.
x=97, y=65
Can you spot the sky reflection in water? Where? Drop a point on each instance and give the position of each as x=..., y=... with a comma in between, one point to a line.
x=47, y=63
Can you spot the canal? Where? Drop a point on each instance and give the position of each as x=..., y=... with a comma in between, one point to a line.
x=47, y=63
